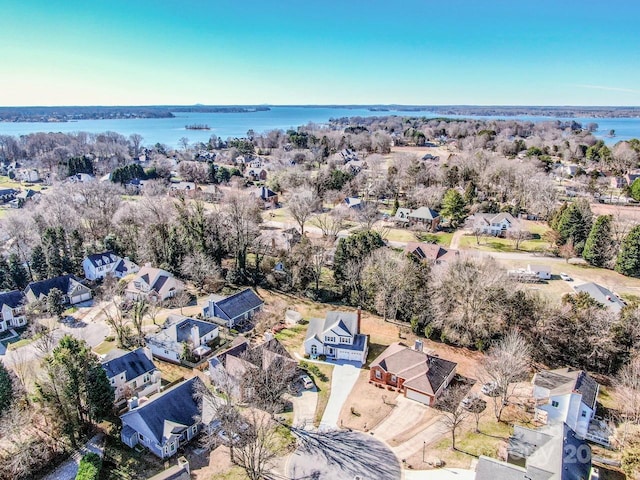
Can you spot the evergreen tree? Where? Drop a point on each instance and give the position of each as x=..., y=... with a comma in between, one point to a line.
x=634, y=190
x=396, y=206
x=76, y=252
x=6, y=282
x=598, y=247
x=453, y=207
x=470, y=193
x=39, y=262
x=52, y=251
x=6, y=388
x=54, y=302
x=574, y=224
x=17, y=272
x=628, y=262
x=99, y=392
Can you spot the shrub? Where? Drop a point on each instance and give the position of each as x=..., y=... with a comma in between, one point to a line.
x=89, y=468
x=110, y=338
x=322, y=357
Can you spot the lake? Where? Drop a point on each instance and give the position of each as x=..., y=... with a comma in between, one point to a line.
x=224, y=125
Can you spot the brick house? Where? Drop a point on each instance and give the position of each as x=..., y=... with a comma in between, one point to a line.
x=422, y=377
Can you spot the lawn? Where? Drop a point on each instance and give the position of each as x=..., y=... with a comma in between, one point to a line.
x=496, y=244
x=321, y=375
x=104, y=348
x=122, y=462
x=367, y=405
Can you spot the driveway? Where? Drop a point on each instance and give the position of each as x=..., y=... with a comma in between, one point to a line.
x=304, y=408
x=337, y=455
x=343, y=379
x=402, y=418
x=69, y=468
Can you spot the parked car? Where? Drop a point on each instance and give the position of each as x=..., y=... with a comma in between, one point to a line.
x=307, y=383
x=565, y=277
x=491, y=389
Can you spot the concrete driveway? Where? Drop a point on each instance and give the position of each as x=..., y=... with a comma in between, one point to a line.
x=343, y=379
x=304, y=408
x=402, y=418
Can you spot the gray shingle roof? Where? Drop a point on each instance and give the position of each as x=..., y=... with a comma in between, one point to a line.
x=133, y=364
x=602, y=295
x=239, y=303
x=491, y=469
x=176, y=404
x=43, y=287
x=12, y=299
x=424, y=213
x=183, y=328
x=564, y=380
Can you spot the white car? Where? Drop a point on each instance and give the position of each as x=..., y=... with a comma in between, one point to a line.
x=565, y=277
x=307, y=383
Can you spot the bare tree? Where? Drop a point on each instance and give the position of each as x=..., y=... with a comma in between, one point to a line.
x=116, y=319
x=136, y=143
x=301, y=205
x=258, y=445
x=330, y=223
x=181, y=299
x=628, y=389
x=367, y=215
x=199, y=267
x=453, y=415
x=507, y=363
x=137, y=314
x=383, y=275
x=242, y=218
x=517, y=235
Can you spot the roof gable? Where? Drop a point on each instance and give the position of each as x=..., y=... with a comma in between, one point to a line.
x=132, y=364
x=43, y=287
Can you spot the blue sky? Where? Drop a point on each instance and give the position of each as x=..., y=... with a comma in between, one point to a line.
x=139, y=52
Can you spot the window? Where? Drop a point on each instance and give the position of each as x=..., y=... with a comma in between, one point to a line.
x=173, y=447
x=344, y=339
x=555, y=404
x=314, y=350
x=140, y=436
x=584, y=413
x=378, y=374
x=394, y=378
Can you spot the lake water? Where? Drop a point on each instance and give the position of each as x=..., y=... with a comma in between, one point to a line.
x=224, y=125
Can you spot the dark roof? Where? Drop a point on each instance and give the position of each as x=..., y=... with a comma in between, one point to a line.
x=588, y=387
x=176, y=404
x=566, y=380
x=239, y=303
x=12, y=299
x=7, y=191
x=491, y=469
x=183, y=328
x=133, y=364
x=241, y=346
x=98, y=259
x=159, y=283
x=572, y=469
x=43, y=287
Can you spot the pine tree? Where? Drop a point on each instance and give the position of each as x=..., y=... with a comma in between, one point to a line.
x=17, y=272
x=54, y=302
x=574, y=224
x=76, y=252
x=628, y=262
x=39, y=262
x=6, y=388
x=598, y=247
x=453, y=207
x=52, y=252
x=6, y=282
x=99, y=392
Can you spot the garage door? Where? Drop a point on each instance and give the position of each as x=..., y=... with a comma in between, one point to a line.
x=418, y=397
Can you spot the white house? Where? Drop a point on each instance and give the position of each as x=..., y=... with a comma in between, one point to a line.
x=168, y=344
x=12, y=313
x=132, y=373
x=99, y=265
x=565, y=395
x=337, y=336
x=153, y=284
x=494, y=223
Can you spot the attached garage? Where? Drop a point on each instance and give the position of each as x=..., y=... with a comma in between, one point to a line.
x=351, y=355
x=80, y=298
x=418, y=397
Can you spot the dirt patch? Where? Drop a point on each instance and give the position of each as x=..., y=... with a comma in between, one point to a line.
x=218, y=466
x=366, y=405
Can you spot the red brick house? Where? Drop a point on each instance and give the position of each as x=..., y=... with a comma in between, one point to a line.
x=422, y=377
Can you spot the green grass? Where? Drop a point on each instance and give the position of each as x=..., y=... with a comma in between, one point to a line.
x=321, y=375
x=12, y=345
x=496, y=244
x=234, y=473
x=104, y=347
x=121, y=462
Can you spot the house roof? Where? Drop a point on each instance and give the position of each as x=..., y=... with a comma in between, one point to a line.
x=492, y=469
x=340, y=324
x=353, y=202
x=159, y=280
x=101, y=259
x=402, y=214
x=12, y=299
x=602, y=295
x=43, y=287
x=564, y=380
x=421, y=371
x=429, y=251
x=133, y=364
x=165, y=414
x=424, y=213
x=239, y=303
x=7, y=191
x=490, y=218
x=265, y=193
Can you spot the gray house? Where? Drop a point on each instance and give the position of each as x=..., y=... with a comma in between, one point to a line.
x=235, y=309
x=166, y=422
x=73, y=291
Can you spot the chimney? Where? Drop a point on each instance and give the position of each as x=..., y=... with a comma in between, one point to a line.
x=359, y=318
x=133, y=403
x=268, y=336
x=418, y=346
x=147, y=353
x=195, y=335
x=184, y=463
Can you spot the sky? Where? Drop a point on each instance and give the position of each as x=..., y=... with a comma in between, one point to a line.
x=411, y=52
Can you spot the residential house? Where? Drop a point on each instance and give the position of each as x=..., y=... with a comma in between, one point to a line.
x=353, y=167
x=629, y=178
x=422, y=377
x=565, y=396
x=430, y=157
x=276, y=241
x=81, y=178
x=337, y=336
x=153, y=284
x=348, y=155
x=7, y=194
x=234, y=310
x=22, y=197
x=257, y=174
x=553, y=453
x=166, y=421
x=602, y=295
x=99, y=265
x=30, y=175
x=169, y=343
x=496, y=224
x=132, y=373
x=426, y=217
x=73, y=291
x=184, y=190
x=228, y=369
x=12, y=312
x=402, y=216
x=430, y=252
x=268, y=197
x=353, y=203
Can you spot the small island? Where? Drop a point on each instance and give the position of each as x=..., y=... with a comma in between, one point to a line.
x=197, y=126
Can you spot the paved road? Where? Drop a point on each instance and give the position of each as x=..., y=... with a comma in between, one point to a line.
x=343, y=379
x=69, y=469
x=341, y=455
